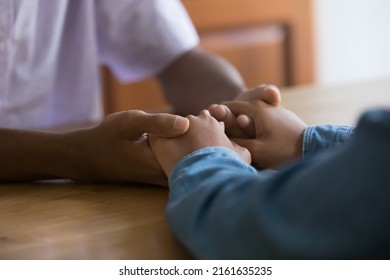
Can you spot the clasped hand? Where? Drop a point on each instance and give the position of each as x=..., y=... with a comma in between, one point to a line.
x=254, y=125
x=133, y=146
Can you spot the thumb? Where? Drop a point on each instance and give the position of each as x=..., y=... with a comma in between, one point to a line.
x=268, y=93
x=163, y=125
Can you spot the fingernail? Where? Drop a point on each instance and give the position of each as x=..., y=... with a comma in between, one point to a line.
x=180, y=124
x=223, y=111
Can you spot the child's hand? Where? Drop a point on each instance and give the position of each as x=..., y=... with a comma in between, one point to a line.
x=204, y=131
x=275, y=135
x=242, y=126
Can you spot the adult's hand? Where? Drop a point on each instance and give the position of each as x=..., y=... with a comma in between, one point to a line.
x=117, y=150
x=114, y=151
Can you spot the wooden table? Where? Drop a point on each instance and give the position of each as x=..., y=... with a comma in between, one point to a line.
x=64, y=220
x=338, y=104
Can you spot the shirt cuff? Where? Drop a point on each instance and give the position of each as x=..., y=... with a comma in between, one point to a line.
x=209, y=158
x=324, y=137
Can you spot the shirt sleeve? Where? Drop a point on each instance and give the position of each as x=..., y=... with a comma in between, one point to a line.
x=324, y=137
x=137, y=39
x=331, y=206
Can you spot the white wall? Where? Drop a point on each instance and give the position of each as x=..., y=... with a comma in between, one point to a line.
x=352, y=40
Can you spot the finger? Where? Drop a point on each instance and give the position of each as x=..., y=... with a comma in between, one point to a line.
x=267, y=93
x=204, y=113
x=223, y=114
x=247, y=125
x=164, y=125
x=152, y=139
x=243, y=152
x=218, y=111
x=243, y=120
x=240, y=108
x=158, y=145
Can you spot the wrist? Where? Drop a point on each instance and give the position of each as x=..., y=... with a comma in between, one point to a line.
x=58, y=156
x=31, y=155
x=71, y=161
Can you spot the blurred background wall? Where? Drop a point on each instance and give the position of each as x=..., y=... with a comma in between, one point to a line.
x=352, y=40
x=283, y=42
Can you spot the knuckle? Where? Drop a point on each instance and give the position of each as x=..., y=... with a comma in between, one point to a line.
x=132, y=115
x=191, y=117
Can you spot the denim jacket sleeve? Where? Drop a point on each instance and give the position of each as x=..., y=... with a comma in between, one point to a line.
x=334, y=205
x=323, y=137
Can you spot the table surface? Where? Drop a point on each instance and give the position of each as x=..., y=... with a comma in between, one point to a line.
x=341, y=104
x=65, y=220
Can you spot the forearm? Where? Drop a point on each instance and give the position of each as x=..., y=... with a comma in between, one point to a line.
x=206, y=200
x=198, y=79
x=31, y=155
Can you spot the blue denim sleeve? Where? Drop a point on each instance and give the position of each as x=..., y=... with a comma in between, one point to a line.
x=333, y=205
x=207, y=163
x=324, y=137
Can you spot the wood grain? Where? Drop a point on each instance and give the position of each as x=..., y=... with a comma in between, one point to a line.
x=73, y=221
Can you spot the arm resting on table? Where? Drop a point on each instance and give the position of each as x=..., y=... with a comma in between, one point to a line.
x=333, y=205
